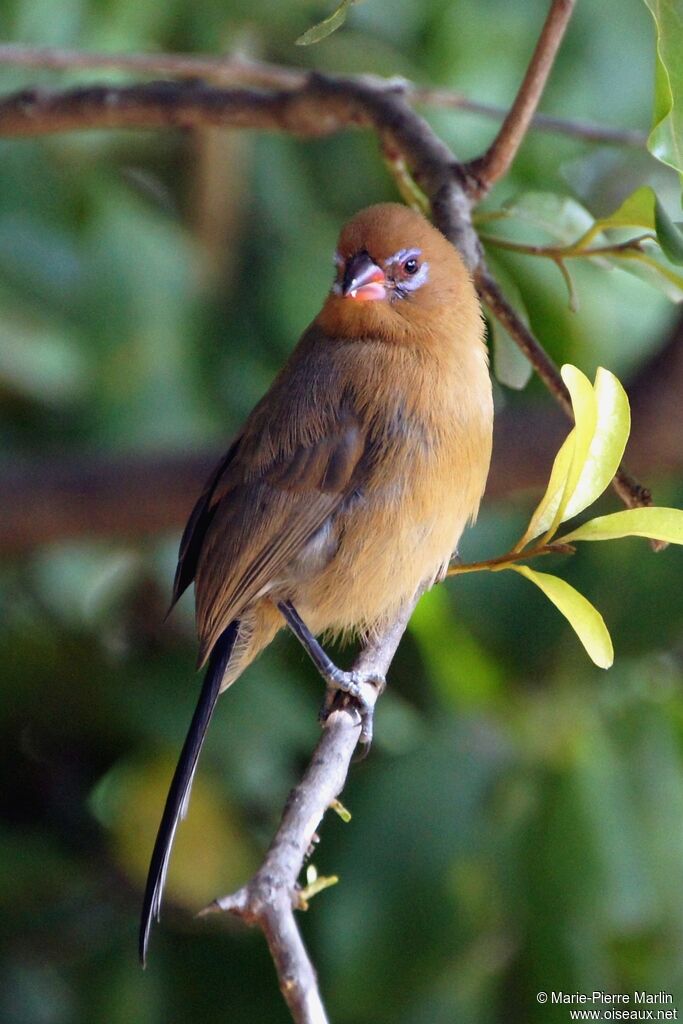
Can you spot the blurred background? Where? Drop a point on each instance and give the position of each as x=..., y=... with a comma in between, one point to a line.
x=519, y=824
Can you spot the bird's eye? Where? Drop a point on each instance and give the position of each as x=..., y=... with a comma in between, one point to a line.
x=410, y=266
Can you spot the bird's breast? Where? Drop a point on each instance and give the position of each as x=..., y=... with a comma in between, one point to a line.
x=403, y=524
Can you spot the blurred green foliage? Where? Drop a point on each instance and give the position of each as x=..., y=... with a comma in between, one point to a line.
x=518, y=825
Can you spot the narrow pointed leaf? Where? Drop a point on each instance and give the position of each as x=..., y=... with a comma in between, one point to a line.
x=570, y=459
x=585, y=620
x=326, y=27
x=607, y=445
x=585, y=406
x=547, y=506
x=665, y=524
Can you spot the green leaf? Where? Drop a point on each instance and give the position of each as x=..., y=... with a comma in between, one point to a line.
x=669, y=235
x=561, y=217
x=665, y=524
x=651, y=267
x=41, y=361
x=666, y=138
x=643, y=209
x=510, y=366
x=636, y=211
x=585, y=620
x=326, y=27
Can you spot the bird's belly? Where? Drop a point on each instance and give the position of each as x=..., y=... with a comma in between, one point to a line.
x=385, y=545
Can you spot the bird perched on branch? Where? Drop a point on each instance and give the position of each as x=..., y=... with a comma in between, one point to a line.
x=351, y=481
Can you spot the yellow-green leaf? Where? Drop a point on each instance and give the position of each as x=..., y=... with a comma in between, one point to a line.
x=570, y=459
x=585, y=620
x=127, y=800
x=547, y=506
x=607, y=444
x=326, y=27
x=664, y=524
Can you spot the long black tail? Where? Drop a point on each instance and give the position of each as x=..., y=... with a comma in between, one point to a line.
x=178, y=794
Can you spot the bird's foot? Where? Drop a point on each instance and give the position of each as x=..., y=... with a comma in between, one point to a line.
x=360, y=688
x=343, y=688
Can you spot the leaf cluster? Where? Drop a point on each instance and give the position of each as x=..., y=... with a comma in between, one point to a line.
x=582, y=470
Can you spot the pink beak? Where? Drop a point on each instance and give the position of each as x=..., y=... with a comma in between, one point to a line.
x=363, y=279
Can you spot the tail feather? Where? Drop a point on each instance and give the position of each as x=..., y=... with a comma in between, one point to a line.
x=179, y=793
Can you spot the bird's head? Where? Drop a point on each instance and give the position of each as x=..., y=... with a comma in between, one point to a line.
x=397, y=278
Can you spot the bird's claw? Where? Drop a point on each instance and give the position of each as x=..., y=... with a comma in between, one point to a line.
x=360, y=689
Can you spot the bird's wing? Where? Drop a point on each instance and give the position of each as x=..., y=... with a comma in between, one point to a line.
x=249, y=525
x=198, y=524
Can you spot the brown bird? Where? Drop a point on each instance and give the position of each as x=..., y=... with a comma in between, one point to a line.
x=352, y=479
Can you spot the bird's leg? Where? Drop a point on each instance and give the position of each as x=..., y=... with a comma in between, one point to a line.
x=353, y=684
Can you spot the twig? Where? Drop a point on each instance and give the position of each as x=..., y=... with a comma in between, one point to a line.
x=569, y=252
x=510, y=558
x=544, y=366
x=496, y=161
x=588, y=131
x=237, y=69
x=271, y=896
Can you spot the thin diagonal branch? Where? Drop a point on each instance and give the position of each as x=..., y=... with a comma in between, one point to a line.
x=496, y=161
x=491, y=294
x=238, y=69
x=270, y=898
x=588, y=131
x=632, y=493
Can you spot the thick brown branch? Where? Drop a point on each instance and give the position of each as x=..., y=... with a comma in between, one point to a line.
x=322, y=106
x=496, y=161
x=237, y=69
x=166, y=104
x=47, y=501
